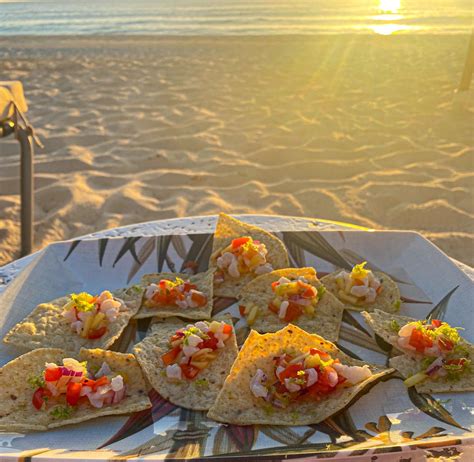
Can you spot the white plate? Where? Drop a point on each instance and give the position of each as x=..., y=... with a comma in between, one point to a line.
x=386, y=420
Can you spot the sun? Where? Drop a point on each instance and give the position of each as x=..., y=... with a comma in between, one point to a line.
x=389, y=6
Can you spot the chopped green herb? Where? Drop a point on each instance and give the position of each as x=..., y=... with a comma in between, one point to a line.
x=396, y=305
x=136, y=288
x=394, y=326
x=202, y=383
x=268, y=408
x=426, y=362
x=61, y=412
x=454, y=371
x=294, y=415
x=321, y=290
x=36, y=381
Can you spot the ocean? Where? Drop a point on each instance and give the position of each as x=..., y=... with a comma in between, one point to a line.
x=231, y=17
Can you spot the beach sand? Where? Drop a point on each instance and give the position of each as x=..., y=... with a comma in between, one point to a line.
x=359, y=129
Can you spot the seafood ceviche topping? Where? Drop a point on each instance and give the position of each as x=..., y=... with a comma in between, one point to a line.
x=358, y=286
x=243, y=255
x=439, y=345
x=293, y=298
x=194, y=347
x=179, y=293
x=89, y=314
x=312, y=375
x=63, y=388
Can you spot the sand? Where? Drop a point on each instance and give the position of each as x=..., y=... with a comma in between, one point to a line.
x=352, y=128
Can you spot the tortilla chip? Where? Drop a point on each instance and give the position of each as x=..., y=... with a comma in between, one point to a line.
x=204, y=283
x=380, y=322
x=408, y=364
x=236, y=404
x=45, y=327
x=18, y=413
x=328, y=312
x=229, y=228
x=388, y=300
x=190, y=394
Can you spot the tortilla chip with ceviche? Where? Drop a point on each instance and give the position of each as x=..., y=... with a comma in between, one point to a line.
x=291, y=295
x=46, y=388
x=174, y=294
x=290, y=378
x=188, y=363
x=240, y=253
x=363, y=289
x=435, y=359
x=77, y=321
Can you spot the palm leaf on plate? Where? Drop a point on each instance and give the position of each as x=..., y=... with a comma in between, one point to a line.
x=199, y=253
x=71, y=249
x=234, y=438
x=427, y=404
x=102, y=246
x=128, y=246
x=143, y=419
x=314, y=243
x=439, y=311
x=143, y=255
x=191, y=442
x=162, y=245
x=285, y=435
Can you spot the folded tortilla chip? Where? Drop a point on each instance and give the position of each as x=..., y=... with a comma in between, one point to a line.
x=408, y=364
x=229, y=228
x=258, y=293
x=204, y=283
x=381, y=323
x=237, y=405
x=46, y=327
x=388, y=300
x=197, y=394
x=17, y=412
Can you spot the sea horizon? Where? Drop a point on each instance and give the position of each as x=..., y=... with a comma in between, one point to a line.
x=225, y=17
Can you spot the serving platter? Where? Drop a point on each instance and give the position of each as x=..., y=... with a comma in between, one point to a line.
x=388, y=421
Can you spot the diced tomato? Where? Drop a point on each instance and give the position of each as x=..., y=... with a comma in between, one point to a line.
x=189, y=371
x=161, y=298
x=51, y=374
x=275, y=284
x=322, y=386
x=38, y=398
x=358, y=282
x=419, y=340
x=227, y=329
x=211, y=342
x=104, y=380
x=458, y=362
x=88, y=383
x=242, y=310
x=96, y=333
x=290, y=371
x=273, y=308
x=315, y=351
x=435, y=322
x=200, y=299
x=292, y=312
x=236, y=243
x=308, y=293
x=169, y=357
x=445, y=344
x=73, y=392
x=188, y=286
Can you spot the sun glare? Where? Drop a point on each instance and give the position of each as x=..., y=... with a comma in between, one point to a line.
x=389, y=6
